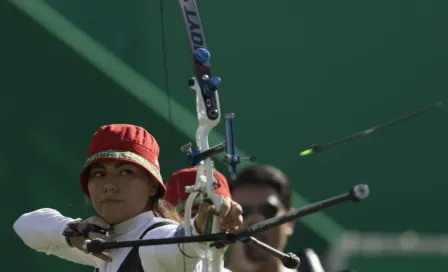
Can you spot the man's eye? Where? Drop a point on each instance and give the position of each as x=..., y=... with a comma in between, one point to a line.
x=126, y=172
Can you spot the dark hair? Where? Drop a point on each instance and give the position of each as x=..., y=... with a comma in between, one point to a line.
x=265, y=175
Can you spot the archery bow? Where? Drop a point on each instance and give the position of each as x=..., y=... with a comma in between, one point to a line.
x=209, y=114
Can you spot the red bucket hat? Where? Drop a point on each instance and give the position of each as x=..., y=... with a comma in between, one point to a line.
x=123, y=142
x=175, y=192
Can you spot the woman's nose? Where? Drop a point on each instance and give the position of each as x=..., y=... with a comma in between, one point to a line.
x=109, y=187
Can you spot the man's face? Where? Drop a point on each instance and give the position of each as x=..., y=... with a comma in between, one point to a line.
x=260, y=202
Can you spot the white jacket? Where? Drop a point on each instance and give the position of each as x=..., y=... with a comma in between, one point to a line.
x=42, y=231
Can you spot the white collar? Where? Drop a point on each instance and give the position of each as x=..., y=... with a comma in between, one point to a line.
x=131, y=224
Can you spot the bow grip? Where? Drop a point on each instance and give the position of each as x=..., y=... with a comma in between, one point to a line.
x=216, y=200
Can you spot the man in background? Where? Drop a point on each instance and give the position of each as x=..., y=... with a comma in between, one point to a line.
x=264, y=192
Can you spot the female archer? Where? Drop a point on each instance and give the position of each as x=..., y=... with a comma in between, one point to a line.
x=122, y=177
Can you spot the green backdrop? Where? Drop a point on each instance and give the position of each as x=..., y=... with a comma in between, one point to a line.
x=294, y=72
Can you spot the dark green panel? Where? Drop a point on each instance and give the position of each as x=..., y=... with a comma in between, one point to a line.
x=295, y=73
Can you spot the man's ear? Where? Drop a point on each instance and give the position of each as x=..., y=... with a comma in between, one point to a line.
x=290, y=228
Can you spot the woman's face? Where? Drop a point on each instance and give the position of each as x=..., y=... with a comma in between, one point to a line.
x=120, y=190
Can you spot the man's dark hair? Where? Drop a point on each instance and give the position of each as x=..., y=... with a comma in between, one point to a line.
x=265, y=175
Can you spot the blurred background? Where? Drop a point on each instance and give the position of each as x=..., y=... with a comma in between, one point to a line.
x=295, y=73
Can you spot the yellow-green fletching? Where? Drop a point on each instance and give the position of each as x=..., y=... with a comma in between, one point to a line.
x=306, y=152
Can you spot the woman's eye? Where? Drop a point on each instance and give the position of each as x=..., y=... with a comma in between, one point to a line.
x=98, y=174
x=126, y=172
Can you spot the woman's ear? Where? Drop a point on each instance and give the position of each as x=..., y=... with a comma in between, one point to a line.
x=154, y=188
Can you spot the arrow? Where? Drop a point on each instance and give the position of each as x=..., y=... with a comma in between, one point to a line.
x=319, y=148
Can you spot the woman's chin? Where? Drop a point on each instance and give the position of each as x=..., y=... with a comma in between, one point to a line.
x=113, y=218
